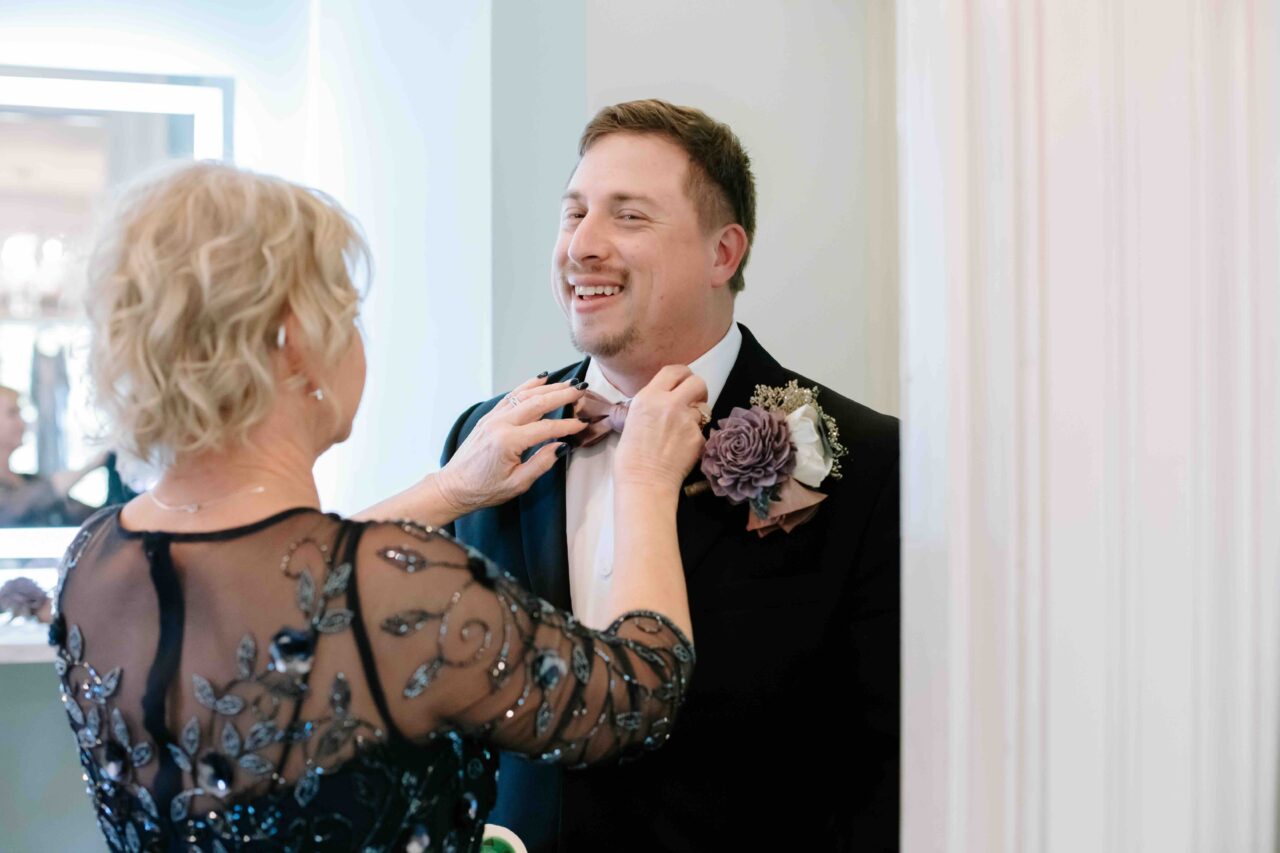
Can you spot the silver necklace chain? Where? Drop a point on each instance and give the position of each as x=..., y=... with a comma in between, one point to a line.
x=196, y=507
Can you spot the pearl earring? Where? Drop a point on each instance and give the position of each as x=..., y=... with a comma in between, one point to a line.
x=318, y=394
x=280, y=336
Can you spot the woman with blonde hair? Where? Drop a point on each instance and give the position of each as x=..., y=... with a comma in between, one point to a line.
x=243, y=671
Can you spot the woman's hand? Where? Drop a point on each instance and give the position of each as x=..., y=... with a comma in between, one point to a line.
x=488, y=469
x=663, y=437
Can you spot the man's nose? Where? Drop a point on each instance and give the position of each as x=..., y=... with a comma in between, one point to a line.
x=589, y=242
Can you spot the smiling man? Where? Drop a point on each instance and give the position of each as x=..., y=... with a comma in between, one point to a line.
x=789, y=738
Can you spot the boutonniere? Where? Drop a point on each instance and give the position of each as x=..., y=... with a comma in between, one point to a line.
x=772, y=456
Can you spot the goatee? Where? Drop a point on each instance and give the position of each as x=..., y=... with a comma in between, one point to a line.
x=605, y=347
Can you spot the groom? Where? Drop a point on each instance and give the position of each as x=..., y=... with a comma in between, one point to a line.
x=789, y=738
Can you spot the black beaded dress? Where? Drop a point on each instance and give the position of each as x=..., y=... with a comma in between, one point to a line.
x=313, y=683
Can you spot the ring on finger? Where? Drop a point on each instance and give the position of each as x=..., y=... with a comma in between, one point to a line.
x=514, y=399
x=704, y=414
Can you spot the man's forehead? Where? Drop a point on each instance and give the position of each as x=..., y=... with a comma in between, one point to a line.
x=631, y=164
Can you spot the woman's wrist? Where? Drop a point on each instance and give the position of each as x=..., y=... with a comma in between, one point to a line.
x=647, y=476
x=423, y=502
x=643, y=512
x=648, y=488
x=442, y=503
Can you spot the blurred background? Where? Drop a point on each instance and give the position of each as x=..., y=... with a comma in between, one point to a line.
x=1044, y=233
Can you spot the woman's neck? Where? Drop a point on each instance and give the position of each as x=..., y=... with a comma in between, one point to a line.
x=215, y=491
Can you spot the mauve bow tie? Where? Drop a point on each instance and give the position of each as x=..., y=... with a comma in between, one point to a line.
x=602, y=417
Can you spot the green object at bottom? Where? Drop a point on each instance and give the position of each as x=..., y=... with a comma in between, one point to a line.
x=496, y=845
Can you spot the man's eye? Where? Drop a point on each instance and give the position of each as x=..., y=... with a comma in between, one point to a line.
x=572, y=215
x=630, y=217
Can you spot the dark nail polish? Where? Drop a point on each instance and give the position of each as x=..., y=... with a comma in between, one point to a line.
x=575, y=382
x=544, y=374
x=562, y=451
x=584, y=386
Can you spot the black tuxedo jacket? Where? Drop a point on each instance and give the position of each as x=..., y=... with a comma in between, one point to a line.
x=789, y=736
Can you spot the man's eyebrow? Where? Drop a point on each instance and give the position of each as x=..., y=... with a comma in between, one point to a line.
x=616, y=198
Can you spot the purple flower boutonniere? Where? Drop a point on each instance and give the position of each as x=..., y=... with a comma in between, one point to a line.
x=769, y=455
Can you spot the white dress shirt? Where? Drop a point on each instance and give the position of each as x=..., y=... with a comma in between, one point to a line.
x=588, y=494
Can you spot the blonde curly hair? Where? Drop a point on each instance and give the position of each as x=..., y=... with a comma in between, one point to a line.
x=189, y=286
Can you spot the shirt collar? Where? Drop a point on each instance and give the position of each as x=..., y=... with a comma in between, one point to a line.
x=713, y=366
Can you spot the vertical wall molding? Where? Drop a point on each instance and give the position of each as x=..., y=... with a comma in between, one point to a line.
x=1090, y=263
x=880, y=179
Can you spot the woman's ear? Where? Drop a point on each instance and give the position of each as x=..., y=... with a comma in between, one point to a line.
x=292, y=363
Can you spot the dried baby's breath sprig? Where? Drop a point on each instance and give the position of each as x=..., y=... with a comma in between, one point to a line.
x=831, y=435
x=790, y=397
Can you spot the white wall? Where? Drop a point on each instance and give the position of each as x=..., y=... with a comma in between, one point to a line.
x=402, y=134
x=539, y=108
x=808, y=89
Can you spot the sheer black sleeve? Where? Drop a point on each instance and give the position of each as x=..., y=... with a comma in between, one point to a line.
x=459, y=645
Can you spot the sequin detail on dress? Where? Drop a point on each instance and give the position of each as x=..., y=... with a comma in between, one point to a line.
x=280, y=737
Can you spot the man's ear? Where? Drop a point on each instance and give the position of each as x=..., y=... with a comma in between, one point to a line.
x=730, y=246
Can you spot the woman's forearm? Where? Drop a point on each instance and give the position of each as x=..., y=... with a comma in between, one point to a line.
x=423, y=502
x=647, y=571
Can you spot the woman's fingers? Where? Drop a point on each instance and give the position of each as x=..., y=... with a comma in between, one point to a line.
x=664, y=436
x=531, y=383
x=490, y=467
x=529, y=386
x=533, y=406
x=548, y=429
x=692, y=389
x=534, y=467
x=685, y=387
x=669, y=377
x=523, y=393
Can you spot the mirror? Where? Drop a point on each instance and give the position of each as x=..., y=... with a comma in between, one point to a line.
x=68, y=141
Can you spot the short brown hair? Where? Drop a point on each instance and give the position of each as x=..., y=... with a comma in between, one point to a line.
x=720, y=182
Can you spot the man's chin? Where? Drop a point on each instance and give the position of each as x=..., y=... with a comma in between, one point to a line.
x=601, y=345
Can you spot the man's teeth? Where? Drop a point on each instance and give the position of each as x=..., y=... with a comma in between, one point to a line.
x=606, y=290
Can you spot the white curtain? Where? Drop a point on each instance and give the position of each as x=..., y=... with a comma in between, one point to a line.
x=1090, y=259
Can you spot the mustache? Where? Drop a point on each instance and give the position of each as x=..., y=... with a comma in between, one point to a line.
x=621, y=275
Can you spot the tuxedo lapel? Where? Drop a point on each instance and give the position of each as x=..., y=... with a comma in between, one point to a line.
x=705, y=517
x=542, y=534
x=542, y=525
x=753, y=367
